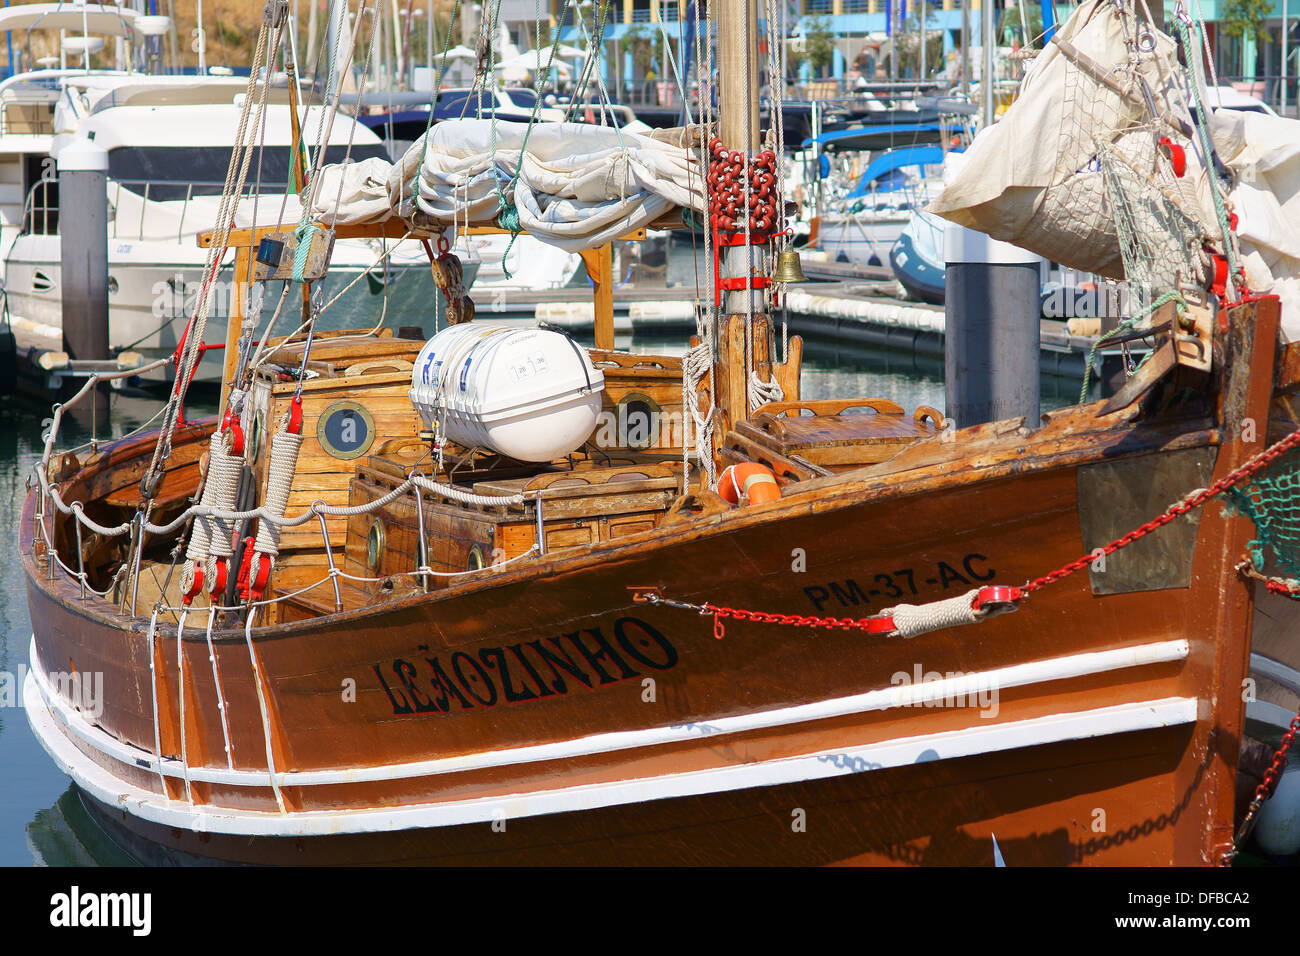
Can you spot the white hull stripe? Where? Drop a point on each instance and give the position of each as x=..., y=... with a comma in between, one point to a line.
x=99, y=783
x=967, y=687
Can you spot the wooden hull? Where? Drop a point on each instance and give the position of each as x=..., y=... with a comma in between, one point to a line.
x=545, y=701
x=941, y=814
x=539, y=713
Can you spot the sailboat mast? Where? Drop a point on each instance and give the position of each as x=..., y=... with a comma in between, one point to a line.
x=738, y=118
x=988, y=45
x=965, y=50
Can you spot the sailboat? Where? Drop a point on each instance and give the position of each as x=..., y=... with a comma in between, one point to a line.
x=500, y=598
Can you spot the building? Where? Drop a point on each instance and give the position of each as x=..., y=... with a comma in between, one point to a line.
x=638, y=62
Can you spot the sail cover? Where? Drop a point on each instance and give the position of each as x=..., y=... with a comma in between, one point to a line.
x=574, y=185
x=1091, y=115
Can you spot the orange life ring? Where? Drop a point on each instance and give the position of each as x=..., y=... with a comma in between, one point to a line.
x=751, y=479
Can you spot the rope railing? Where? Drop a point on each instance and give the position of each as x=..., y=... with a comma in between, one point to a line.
x=318, y=510
x=336, y=572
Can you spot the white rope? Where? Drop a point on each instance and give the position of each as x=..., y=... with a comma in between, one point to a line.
x=201, y=532
x=698, y=362
x=421, y=571
x=760, y=392
x=261, y=704
x=180, y=684
x=913, y=619
x=264, y=514
x=226, y=471
x=236, y=173
x=285, y=446
x=776, y=134
x=153, y=694
x=216, y=679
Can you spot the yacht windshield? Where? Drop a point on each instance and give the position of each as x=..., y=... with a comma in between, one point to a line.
x=175, y=172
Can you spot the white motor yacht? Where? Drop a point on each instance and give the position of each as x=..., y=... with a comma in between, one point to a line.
x=169, y=141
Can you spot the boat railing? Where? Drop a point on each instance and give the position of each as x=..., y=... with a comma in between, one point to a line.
x=668, y=13
x=51, y=501
x=41, y=207
x=172, y=191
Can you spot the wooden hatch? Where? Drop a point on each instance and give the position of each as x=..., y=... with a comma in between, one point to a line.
x=804, y=440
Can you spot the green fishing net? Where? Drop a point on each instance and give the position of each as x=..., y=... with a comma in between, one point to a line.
x=1271, y=499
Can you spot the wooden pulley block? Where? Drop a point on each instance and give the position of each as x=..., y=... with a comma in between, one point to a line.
x=448, y=273
x=460, y=310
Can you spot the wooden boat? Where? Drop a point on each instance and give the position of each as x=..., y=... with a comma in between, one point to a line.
x=600, y=660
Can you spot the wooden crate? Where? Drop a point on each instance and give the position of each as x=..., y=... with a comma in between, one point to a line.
x=585, y=506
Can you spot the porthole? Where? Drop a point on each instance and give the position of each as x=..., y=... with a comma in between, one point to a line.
x=638, y=421
x=345, y=430
x=375, y=545
x=476, y=561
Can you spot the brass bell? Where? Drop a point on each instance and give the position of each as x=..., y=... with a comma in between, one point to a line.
x=789, y=268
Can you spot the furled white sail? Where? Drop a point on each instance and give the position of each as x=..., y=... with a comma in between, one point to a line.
x=1081, y=168
x=575, y=186
x=1108, y=89
x=1263, y=153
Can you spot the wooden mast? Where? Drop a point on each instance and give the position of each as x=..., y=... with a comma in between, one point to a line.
x=738, y=128
x=738, y=118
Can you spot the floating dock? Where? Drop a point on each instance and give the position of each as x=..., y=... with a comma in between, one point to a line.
x=857, y=309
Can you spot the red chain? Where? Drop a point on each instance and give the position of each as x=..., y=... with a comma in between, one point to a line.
x=881, y=624
x=1195, y=500
x=1266, y=786
x=884, y=624
x=1274, y=771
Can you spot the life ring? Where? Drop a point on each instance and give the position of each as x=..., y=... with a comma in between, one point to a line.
x=751, y=479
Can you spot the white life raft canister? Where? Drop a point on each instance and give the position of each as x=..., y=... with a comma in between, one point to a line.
x=528, y=394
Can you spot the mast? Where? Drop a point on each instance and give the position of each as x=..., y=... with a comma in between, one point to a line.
x=200, y=38
x=738, y=119
x=310, y=62
x=920, y=66
x=965, y=50
x=987, y=46
x=745, y=374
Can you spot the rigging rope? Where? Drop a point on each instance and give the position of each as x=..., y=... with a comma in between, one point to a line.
x=1202, y=120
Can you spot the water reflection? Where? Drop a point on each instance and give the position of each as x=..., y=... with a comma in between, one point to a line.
x=66, y=835
x=41, y=818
